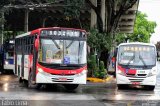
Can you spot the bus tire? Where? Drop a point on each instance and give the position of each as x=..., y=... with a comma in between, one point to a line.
x=71, y=86
x=31, y=85
x=120, y=86
x=151, y=87
x=20, y=80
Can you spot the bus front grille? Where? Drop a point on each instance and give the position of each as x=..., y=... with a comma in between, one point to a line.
x=62, y=80
x=130, y=75
x=141, y=74
x=136, y=80
x=64, y=74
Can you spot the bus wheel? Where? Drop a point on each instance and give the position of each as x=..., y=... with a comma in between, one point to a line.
x=70, y=86
x=20, y=80
x=151, y=87
x=120, y=86
x=30, y=83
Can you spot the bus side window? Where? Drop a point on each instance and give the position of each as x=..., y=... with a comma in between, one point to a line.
x=32, y=39
x=24, y=45
x=27, y=45
x=15, y=48
x=20, y=45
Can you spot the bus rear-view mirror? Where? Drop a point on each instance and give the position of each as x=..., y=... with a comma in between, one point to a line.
x=36, y=44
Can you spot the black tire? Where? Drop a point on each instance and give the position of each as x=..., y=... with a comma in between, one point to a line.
x=20, y=80
x=114, y=74
x=31, y=85
x=71, y=86
x=151, y=87
x=120, y=86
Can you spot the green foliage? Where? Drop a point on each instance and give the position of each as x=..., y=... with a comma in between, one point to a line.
x=143, y=28
x=73, y=7
x=120, y=37
x=92, y=65
x=99, y=41
x=101, y=73
x=102, y=70
x=94, y=70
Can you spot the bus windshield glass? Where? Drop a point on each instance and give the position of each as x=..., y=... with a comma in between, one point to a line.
x=8, y=49
x=61, y=51
x=137, y=55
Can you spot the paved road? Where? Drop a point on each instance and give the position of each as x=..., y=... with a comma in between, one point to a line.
x=92, y=94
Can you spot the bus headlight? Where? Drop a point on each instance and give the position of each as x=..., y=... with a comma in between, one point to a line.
x=6, y=62
x=43, y=72
x=152, y=73
x=120, y=72
x=82, y=73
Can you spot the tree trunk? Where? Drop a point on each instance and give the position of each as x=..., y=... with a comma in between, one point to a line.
x=104, y=57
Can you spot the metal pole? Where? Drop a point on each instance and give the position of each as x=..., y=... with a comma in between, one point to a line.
x=2, y=24
x=26, y=20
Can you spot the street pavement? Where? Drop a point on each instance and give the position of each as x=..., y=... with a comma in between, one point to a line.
x=91, y=94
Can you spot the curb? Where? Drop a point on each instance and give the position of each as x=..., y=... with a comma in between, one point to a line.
x=96, y=80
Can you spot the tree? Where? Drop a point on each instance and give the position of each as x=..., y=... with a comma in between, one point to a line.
x=114, y=10
x=121, y=37
x=143, y=28
x=73, y=11
x=2, y=11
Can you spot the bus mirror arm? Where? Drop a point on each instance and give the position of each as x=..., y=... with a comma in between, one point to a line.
x=36, y=44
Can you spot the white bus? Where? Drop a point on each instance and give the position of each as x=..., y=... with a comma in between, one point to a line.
x=52, y=56
x=136, y=64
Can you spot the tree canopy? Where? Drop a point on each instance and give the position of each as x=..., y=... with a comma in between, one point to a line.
x=143, y=28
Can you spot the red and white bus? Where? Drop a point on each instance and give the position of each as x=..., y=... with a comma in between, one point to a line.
x=136, y=64
x=52, y=55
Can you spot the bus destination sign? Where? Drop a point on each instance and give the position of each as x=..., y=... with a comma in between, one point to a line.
x=67, y=33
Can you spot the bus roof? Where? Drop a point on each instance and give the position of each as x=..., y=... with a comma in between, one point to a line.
x=135, y=43
x=39, y=29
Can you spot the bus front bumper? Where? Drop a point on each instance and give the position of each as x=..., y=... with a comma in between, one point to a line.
x=8, y=67
x=63, y=79
x=135, y=80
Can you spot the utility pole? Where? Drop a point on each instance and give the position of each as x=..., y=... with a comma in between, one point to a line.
x=2, y=25
x=26, y=20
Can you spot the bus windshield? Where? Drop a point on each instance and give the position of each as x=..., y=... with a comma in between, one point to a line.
x=62, y=51
x=137, y=55
x=9, y=49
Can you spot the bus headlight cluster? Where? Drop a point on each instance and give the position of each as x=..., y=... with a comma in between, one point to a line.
x=120, y=72
x=43, y=72
x=152, y=73
x=6, y=62
x=82, y=73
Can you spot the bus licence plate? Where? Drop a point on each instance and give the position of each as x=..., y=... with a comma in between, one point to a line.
x=136, y=83
x=62, y=79
x=141, y=72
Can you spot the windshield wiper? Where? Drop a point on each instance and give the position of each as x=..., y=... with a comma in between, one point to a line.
x=69, y=44
x=140, y=57
x=56, y=44
x=131, y=59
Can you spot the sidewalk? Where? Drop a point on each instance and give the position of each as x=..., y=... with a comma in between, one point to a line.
x=98, y=80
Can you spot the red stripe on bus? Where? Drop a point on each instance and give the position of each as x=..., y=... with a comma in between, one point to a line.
x=54, y=71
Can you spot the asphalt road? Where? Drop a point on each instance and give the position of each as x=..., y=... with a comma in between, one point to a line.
x=92, y=94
